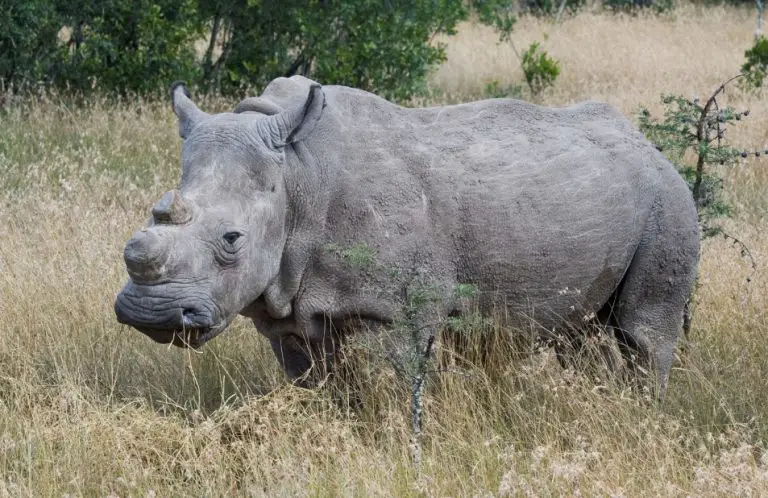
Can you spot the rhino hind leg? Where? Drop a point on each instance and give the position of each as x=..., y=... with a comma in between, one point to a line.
x=590, y=344
x=648, y=312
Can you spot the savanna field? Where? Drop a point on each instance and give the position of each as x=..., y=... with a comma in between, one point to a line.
x=89, y=407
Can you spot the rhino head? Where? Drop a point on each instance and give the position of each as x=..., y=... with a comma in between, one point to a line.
x=214, y=245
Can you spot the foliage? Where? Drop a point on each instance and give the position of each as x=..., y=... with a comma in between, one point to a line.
x=634, y=5
x=360, y=255
x=539, y=68
x=419, y=337
x=378, y=47
x=692, y=128
x=495, y=90
x=737, y=3
x=27, y=40
x=689, y=126
x=470, y=324
x=756, y=66
x=387, y=48
x=465, y=291
x=496, y=13
x=699, y=129
x=550, y=7
x=127, y=46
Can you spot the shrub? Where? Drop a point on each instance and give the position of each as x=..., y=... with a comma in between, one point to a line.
x=689, y=125
x=386, y=47
x=27, y=40
x=495, y=90
x=539, y=68
x=123, y=46
x=633, y=5
x=693, y=129
x=756, y=66
x=138, y=47
x=550, y=7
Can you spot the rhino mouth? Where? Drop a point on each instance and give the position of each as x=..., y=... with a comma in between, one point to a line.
x=184, y=338
x=187, y=321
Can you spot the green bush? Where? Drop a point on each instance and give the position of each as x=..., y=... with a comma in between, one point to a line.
x=692, y=129
x=756, y=66
x=539, y=69
x=632, y=5
x=549, y=7
x=27, y=40
x=139, y=46
x=385, y=47
x=495, y=90
x=136, y=46
x=375, y=46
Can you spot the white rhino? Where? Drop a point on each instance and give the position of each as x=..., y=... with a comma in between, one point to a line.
x=554, y=215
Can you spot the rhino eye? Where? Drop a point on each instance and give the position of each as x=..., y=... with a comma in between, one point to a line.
x=231, y=237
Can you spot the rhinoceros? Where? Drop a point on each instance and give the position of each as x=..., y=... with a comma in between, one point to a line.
x=554, y=215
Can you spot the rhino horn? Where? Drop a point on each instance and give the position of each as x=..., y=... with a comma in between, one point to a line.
x=145, y=255
x=171, y=209
x=296, y=124
x=188, y=113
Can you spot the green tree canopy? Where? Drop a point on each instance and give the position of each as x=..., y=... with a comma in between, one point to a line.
x=386, y=46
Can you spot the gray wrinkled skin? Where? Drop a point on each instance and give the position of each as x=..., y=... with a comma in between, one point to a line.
x=556, y=215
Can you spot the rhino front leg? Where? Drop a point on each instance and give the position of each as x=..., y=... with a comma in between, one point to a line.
x=309, y=353
x=306, y=363
x=294, y=356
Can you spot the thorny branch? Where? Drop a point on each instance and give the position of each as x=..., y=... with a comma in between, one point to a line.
x=702, y=134
x=417, y=391
x=743, y=248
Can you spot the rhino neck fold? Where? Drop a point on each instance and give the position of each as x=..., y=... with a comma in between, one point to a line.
x=308, y=195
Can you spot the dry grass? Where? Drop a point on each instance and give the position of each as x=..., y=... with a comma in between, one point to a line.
x=90, y=408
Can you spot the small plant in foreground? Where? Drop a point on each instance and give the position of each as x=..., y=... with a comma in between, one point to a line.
x=419, y=333
x=416, y=327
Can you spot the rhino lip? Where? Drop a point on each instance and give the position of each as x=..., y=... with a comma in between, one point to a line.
x=184, y=338
x=186, y=322
x=195, y=337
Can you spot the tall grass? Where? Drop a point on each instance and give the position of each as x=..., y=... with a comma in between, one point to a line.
x=88, y=407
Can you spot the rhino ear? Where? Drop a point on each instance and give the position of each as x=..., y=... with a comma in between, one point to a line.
x=296, y=124
x=186, y=110
x=258, y=104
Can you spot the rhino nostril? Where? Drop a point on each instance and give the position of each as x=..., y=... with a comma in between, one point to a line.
x=188, y=317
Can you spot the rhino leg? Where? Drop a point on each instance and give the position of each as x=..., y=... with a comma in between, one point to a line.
x=580, y=347
x=650, y=303
x=293, y=355
x=305, y=362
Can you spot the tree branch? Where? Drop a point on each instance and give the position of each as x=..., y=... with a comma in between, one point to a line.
x=702, y=135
